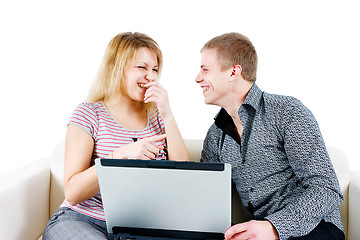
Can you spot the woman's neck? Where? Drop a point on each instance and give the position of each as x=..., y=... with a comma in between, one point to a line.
x=125, y=104
x=128, y=113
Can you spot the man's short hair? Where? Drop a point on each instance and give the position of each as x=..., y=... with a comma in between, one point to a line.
x=235, y=49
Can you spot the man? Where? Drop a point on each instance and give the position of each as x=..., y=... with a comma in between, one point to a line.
x=279, y=161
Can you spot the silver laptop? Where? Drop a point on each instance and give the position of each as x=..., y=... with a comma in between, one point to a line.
x=165, y=199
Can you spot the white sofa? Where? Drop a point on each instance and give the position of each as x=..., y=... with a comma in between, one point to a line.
x=31, y=194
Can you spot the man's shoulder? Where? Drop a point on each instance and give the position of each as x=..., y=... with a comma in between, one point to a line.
x=280, y=102
x=284, y=109
x=279, y=99
x=213, y=131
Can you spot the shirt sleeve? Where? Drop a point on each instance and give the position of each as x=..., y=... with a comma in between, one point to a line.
x=308, y=157
x=211, y=149
x=85, y=117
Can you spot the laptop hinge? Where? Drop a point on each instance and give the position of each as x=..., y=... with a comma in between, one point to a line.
x=144, y=233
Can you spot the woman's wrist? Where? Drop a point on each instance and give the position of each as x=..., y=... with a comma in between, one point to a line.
x=114, y=154
x=168, y=117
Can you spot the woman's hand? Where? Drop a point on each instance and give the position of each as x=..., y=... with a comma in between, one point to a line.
x=144, y=149
x=174, y=142
x=157, y=94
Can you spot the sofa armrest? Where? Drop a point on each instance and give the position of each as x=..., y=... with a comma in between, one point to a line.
x=24, y=201
x=354, y=208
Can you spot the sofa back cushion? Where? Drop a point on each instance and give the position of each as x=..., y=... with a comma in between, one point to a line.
x=57, y=195
x=239, y=213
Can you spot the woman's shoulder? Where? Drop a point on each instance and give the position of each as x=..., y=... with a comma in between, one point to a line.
x=86, y=111
x=90, y=107
x=86, y=116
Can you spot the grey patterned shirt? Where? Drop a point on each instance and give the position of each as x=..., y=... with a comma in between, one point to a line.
x=281, y=167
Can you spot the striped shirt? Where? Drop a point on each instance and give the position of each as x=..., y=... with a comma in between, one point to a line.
x=109, y=135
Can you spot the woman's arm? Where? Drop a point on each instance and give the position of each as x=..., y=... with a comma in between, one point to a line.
x=80, y=180
x=175, y=143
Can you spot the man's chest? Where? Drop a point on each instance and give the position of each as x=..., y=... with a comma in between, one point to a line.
x=260, y=151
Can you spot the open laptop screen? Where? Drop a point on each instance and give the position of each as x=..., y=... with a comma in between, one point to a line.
x=165, y=195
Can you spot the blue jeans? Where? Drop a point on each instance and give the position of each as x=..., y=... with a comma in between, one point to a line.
x=69, y=224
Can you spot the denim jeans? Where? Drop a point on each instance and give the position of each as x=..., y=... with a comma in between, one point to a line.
x=69, y=224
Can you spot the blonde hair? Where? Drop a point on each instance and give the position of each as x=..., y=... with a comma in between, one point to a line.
x=235, y=49
x=119, y=53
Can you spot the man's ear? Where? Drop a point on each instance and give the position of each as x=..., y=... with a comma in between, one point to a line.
x=236, y=71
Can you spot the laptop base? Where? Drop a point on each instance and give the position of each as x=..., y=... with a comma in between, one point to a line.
x=129, y=237
x=129, y=233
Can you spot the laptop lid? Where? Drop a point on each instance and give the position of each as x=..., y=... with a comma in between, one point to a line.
x=174, y=197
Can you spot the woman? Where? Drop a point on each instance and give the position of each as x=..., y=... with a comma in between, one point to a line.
x=126, y=117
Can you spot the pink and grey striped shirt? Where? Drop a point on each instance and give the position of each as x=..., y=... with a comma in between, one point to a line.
x=109, y=135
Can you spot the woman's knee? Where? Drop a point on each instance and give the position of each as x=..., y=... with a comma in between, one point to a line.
x=67, y=224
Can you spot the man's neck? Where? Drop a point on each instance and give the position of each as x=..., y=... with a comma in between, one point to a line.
x=239, y=95
x=236, y=99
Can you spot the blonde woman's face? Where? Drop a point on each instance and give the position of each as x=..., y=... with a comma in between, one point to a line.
x=142, y=70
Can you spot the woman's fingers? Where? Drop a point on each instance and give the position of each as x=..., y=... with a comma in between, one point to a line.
x=157, y=94
x=150, y=150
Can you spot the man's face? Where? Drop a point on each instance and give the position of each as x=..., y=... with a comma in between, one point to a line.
x=212, y=80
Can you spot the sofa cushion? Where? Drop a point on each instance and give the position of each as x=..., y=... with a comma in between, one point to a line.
x=25, y=201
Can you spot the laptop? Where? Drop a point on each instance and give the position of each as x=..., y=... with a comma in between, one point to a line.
x=158, y=199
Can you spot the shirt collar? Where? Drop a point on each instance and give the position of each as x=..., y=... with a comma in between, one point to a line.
x=253, y=99
x=225, y=122
x=223, y=119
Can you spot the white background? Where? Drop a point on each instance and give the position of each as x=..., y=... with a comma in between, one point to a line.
x=50, y=52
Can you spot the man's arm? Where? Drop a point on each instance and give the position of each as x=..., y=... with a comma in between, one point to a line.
x=308, y=157
x=210, y=149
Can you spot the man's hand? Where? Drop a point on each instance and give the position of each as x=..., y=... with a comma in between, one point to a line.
x=254, y=230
